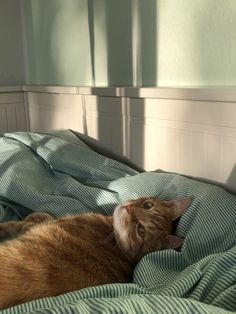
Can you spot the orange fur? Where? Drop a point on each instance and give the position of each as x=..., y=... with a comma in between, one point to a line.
x=52, y=257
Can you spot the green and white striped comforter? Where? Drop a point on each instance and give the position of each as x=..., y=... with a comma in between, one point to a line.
x=58, y=173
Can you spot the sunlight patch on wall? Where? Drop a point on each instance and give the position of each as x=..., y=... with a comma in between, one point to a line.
x=100, y=44
x=196, y=43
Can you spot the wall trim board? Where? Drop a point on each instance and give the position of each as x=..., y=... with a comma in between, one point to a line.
x=199, y=93
x=51, y=89
x=12, y=110
x=11, y=89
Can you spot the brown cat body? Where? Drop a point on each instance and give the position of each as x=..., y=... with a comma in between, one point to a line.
x=55, y=256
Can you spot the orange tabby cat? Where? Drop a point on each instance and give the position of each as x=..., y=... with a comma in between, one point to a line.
x=54, y=256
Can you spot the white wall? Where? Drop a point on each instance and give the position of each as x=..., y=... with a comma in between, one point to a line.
x=119, y=43
x=196, y=43
x=131, y=42
x=11, y=43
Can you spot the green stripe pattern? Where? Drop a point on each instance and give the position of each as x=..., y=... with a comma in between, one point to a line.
x=58, y=173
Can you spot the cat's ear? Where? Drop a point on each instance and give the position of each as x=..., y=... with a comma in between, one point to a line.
x=178, y=207
x=172, y=242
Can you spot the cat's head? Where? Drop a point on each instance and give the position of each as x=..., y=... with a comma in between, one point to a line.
x=145, y=225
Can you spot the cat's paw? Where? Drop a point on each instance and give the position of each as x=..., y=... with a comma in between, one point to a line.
x=37, y=218
x=33, y=220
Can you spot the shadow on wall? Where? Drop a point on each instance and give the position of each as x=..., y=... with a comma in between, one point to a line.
x=58, y=42
x=39, y=25
x=123, y=41
x=120, y=38
x=42, y=67
x=113, y=41
x=119, y=130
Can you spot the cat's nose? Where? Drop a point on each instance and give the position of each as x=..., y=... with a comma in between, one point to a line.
x=129, y=208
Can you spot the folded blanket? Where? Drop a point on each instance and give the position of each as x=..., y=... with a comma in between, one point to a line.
x=60, y=174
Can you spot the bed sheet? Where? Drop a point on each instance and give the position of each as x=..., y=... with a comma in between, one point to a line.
x=60, y=174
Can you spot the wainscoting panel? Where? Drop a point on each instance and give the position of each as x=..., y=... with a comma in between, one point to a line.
x=189, y=131
x=49, y=111
x=13, y=115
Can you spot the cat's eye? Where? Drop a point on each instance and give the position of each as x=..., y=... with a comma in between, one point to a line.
x=141, y=230
x=147, y=205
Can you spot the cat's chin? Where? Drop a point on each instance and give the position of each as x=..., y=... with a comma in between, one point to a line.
x=121, y=233
x=119, y=228
x=117, y=217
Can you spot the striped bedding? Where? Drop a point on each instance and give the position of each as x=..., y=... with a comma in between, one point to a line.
x=60, y=174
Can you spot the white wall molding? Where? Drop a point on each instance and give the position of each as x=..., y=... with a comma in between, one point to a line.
x=11, y=89
x=199, y=93
x=51, y=89
x=12, y=110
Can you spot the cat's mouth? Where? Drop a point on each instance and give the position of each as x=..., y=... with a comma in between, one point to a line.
x=120, y=218
x=122, y=225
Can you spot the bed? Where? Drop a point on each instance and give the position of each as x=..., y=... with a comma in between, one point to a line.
x=59, y=172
